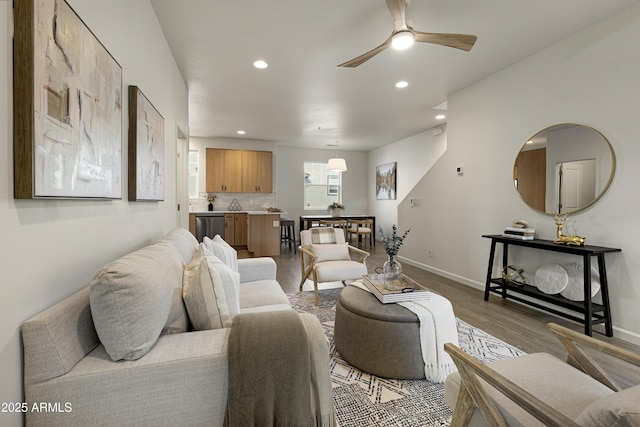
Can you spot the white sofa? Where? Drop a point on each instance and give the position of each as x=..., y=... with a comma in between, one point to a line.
x=180, y=379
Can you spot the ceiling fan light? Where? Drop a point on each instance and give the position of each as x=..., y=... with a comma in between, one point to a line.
x=402, y=40
x=337, y=164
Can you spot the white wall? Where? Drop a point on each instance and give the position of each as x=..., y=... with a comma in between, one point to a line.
x=414, y=155
x=589, y=79
x=290, y=180
x=51, y=248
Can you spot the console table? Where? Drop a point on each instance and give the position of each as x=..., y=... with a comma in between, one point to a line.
x=592, y=313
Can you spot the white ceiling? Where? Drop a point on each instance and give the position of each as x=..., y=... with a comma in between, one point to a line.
x=215, y=43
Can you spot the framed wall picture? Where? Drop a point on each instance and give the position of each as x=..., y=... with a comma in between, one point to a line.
x=386, y=181
x=67, y=106
x=146, y=149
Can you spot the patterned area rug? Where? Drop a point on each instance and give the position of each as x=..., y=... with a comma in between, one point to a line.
x=362, y=399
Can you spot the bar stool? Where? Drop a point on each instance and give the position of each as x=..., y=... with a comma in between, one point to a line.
x=288, y=233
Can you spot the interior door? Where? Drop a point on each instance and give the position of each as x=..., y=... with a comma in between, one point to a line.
x=577, y=181
x=182, y=180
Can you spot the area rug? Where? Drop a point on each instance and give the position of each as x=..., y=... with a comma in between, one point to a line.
x=362, y=399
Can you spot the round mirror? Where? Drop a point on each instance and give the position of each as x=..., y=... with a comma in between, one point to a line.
x=564, y=168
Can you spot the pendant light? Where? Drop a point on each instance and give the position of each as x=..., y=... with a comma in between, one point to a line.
x=337, y=164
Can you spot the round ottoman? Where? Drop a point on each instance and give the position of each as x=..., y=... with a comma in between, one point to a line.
x=382, y=339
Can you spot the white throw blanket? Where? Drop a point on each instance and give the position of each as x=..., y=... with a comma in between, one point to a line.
x=437, y=327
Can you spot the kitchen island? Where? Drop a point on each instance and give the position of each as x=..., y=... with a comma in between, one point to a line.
x=257, y=231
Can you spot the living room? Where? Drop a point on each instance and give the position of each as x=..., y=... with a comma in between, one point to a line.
x=53, y=246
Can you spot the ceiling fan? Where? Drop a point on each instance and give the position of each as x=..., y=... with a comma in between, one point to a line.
x=403, y=36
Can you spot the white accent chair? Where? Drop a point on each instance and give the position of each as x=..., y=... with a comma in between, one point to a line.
x=539, y=389
x=330, y=261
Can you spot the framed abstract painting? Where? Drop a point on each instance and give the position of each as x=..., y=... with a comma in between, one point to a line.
x=146, y=149
x=67, y=106
x=386, y=181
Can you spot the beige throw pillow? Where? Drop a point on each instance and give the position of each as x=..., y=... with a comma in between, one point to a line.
x=211, y=292
x=132, y=300
x=331, y=252
x=222, y=250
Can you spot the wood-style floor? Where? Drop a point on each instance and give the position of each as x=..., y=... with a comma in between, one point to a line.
x=512, y=322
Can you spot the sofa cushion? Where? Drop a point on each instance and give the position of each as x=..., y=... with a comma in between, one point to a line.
x=210, y=292
x=132, y=300
x=619, y=409
x=262, y=293
x=183, y=241
x=222, y=250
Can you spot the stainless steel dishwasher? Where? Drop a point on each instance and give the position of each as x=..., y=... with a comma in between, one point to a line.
x=209, y=224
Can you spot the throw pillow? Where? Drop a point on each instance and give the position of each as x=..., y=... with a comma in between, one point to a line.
x=222, y=250
x=131, y=300
x=211, y=293
x=617, y=409
x=335, y=252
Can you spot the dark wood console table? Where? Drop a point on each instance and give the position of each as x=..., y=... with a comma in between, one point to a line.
x=592, y=313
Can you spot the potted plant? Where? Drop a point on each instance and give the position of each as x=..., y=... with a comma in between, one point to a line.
x=392, y=269
x=335, y=209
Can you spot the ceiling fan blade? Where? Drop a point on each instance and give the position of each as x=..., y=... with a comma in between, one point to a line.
x=458, y=41
x=367, y=56
x=397, y=8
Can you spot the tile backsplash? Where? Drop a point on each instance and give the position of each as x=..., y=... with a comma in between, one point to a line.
x=248, y=201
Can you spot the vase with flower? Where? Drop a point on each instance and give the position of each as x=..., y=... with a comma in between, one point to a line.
x=335, y=209
x=392, y=269
x=210, y=198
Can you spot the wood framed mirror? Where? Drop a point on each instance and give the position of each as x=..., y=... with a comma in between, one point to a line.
x=564, y=168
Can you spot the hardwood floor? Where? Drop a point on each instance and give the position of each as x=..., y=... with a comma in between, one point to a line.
x=512, y=322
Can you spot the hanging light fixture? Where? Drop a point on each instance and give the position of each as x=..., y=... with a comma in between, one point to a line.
x=337, y=164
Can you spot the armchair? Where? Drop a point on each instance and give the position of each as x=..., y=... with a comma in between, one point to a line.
x=325, y=254
x=539, y=389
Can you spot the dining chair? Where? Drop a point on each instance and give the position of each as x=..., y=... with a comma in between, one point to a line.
x=361, y=228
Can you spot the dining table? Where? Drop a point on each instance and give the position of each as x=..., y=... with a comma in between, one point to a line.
x=307, y=221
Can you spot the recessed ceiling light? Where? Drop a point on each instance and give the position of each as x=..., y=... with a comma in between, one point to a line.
x=260, y=64
x=402, y=84
x=240, y=132
x=441, y=117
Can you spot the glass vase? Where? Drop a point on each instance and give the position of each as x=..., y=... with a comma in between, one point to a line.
x=392, y=271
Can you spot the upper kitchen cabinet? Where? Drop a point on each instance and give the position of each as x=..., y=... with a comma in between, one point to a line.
x=224, y=171
x=239, y=171
x=257, y=171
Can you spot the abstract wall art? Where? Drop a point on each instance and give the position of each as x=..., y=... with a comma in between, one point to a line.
x=146, y=149
x=386, y=181
x=67, y=106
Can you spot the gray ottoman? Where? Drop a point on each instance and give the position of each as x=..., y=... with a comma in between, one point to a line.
x=382, y=339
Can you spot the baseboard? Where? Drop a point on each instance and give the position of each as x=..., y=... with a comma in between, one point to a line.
x=621, y=333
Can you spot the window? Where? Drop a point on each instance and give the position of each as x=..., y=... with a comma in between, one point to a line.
x=193, y=174
x=321, y=187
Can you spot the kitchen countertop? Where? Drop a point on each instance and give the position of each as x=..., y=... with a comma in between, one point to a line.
x=208, y=213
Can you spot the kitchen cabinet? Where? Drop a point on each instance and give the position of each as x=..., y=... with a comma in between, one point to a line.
x=257, y=170
x=192, y=223
x=235, y=229
x=224, y=171
x=239, y=171
x=264, y=235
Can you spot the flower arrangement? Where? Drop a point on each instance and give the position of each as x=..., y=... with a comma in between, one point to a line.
x=210, y=198
x=335, y=205
x=392, y=243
